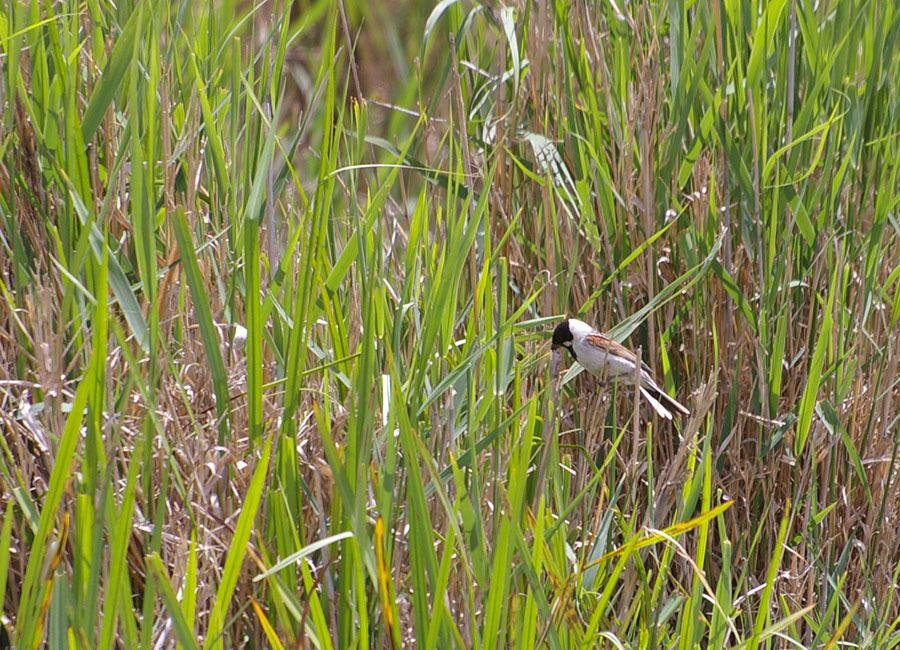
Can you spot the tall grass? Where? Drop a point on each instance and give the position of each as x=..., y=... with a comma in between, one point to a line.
x=276, y=284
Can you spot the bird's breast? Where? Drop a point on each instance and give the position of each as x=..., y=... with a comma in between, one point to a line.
x=603, y=363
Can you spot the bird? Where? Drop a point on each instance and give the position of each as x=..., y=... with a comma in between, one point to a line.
x=605, y=358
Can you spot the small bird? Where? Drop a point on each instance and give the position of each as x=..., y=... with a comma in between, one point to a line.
x=605, y=358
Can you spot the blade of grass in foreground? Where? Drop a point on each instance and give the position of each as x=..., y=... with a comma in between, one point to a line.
x=814, y=379
x=113, y=73
x=208, y=331
x=762, y=614
x=422, y=557
x=189, y=602
x=183, y=629
x=293, y=558
x=237, y=550
x=496, y=607
x=117, y=604
x=118, y=281
x=271, y=634
x=654, y=537
x=28, y=622
x=254, y=314
x=5, y=536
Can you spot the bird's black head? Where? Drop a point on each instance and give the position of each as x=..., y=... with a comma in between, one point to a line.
x=562, y=338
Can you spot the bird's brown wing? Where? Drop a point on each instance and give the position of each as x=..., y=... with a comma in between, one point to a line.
x=608, y=345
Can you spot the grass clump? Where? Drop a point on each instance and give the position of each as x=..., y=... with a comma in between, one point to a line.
x=276, y=283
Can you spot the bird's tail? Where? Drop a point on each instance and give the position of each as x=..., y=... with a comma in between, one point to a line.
x=661, y=402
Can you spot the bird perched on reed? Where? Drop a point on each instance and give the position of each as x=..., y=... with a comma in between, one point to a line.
x=607, y=359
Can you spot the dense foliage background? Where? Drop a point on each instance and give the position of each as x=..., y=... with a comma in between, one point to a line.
x=276, y=286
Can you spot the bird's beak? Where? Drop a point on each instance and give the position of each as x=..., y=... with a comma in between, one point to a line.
x=554, y=347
